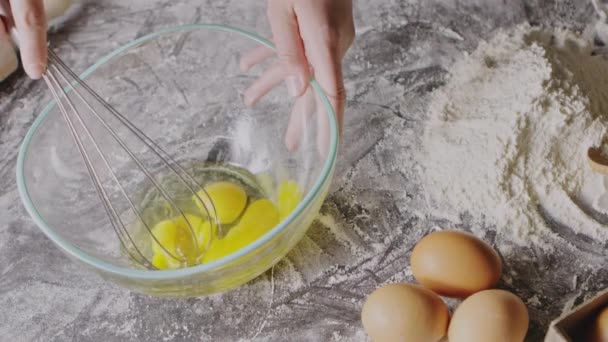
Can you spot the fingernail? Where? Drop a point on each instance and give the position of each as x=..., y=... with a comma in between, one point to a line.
x=294, y=85
x=35, y=70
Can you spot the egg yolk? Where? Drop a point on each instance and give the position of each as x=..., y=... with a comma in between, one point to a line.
x=261, y=216
x=175, y=236
x=230, y=203
x=228, y=199
x=289, y=197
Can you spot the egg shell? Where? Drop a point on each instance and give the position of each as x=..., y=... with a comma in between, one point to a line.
x=455, y=264
x=8, y=56
x=599, y=330
x=55, y=8
x=404, y=312
x=491, y=315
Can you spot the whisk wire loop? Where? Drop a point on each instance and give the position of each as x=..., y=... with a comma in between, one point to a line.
x=58, y=69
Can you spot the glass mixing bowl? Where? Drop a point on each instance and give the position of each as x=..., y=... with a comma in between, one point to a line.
x=183, y=87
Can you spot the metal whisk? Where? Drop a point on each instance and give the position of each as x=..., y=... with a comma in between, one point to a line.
x=63, y=82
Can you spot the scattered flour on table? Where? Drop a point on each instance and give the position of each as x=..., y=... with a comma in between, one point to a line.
x=507, y=135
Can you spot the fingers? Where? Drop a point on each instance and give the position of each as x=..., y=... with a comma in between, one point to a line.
x=323, y=53
x=290, y=48
x=254, y=57
x=297, y=128
x=297, y=123
x=30, y=22
x=323, y=136
x=323, y=50
x=328, y=73
x=269, y=79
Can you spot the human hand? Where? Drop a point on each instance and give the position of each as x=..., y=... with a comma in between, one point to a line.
x=28, y=17
x=311, y=37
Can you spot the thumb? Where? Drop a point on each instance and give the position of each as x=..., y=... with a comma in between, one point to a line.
x=31, y=24
x=290, y=48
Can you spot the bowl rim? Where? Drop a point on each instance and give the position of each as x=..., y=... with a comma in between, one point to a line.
x=110, y=268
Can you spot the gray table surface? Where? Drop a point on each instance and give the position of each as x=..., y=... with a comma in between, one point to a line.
x=368, y=225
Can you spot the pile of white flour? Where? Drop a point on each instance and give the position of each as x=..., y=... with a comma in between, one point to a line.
x=507, y=136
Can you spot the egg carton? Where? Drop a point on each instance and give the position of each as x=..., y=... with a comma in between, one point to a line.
x=572, y=326
x=57, y=13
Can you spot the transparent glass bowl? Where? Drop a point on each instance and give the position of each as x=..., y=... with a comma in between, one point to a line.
x=183, y=87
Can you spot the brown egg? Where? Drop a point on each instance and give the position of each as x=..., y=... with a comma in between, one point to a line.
x=491, y=315
x=455, y=264
x=599, y=330
x=404, y=312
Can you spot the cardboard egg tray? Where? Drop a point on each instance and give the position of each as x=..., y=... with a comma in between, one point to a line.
x=572, y=325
